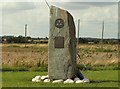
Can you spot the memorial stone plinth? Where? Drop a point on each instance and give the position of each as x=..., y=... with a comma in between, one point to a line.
x=62, y=45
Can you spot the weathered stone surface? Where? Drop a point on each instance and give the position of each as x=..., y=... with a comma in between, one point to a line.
x=62, y=45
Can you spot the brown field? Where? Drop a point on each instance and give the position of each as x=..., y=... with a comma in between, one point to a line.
x=35, y=55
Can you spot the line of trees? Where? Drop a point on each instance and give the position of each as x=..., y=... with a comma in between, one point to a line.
x=97, y=41
x=22, y=39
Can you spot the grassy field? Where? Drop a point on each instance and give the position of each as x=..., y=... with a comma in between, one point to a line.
x=35, y=55
x=20, y=65
x=108, y=78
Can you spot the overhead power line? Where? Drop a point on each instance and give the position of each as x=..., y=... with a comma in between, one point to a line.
x=47, y=4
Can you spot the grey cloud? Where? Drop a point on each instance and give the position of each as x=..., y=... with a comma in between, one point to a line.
x=25, y=5
x=101, y=4
x=83, y=5
x=18, y=6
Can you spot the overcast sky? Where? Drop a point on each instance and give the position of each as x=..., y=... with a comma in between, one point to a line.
x=36, y=14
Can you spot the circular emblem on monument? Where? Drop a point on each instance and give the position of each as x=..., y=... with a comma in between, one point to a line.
x=59, y=23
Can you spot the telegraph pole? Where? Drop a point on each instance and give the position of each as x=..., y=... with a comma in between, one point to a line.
x=25, y=34
x=102, y=34
x=78, y=31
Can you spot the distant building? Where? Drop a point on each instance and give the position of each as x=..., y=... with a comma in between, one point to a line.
x=3, y=41
x=90, y=42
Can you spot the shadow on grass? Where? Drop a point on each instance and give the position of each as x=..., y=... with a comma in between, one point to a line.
x=101, y=81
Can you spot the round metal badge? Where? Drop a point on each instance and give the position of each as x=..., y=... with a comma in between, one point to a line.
x=59, y=23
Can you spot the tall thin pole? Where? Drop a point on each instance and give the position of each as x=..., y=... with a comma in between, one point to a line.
x=78, y=31
x=102, y=32
x=25, y=34
x=118, y=37
x=78, y=40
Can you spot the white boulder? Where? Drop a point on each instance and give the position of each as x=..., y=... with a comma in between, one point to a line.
x=79, y=81
x=76, y=79
x=57, y=81
x=85, y=80
x=33, y=80
x=68, y=81
x=36, y=79
x=47, y=80
x=44, y=77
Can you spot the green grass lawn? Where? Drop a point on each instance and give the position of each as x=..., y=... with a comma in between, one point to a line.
x=103, y=78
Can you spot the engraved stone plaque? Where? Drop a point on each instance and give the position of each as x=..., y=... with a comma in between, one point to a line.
x=59, y=42
x=59, y=23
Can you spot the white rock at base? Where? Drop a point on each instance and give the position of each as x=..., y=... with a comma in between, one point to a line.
x=47, y=80
x=33, y=80
x=85, y=80
x=57, y=81
x=44, y=77
x=79, y=81
x=36, y=78
x=68, y=81
x=76, y=79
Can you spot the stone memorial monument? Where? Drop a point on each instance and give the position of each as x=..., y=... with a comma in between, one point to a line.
x=61, y=50
x=62, y=45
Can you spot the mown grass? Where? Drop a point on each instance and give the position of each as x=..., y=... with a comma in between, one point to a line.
x=44, y=68
x=108, y=78
x=41, y=68
x=97, y=67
